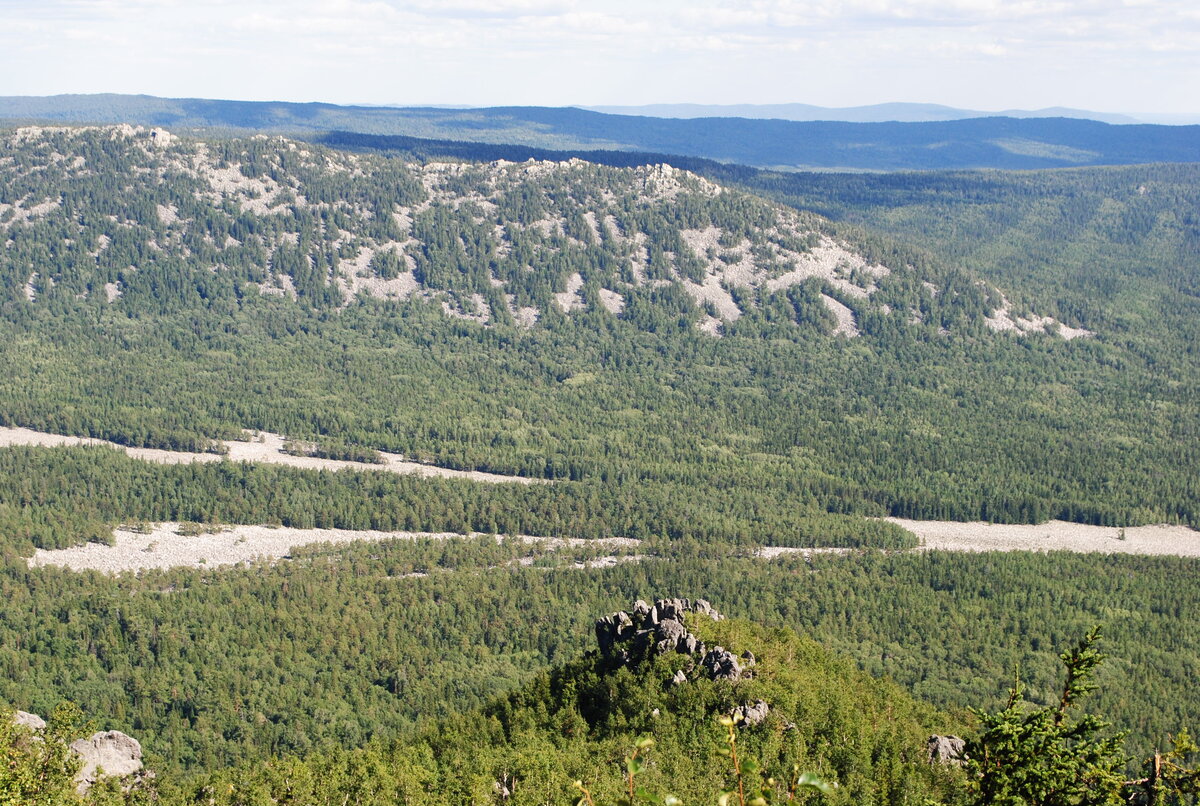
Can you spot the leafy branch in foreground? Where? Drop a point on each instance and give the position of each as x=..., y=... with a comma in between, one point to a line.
x=745, y=771
x=1171, y=778
x=634, y=764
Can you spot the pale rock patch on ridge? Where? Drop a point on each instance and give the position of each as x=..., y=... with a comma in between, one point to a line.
x=161, y=138
x=167, y=214
x=831, y=262
x=102, y=243
x=22, y=214
x=482, y=313
x=570, y=300
x=279, y=285
x=354, y=276
x=1002, y=320
x=846, y=324
x=525, y=316
x=712, y=291
x=710, y=324
x=593, y=224
x=613, y=302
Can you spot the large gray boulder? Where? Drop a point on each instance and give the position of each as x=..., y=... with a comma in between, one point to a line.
x=28, y=720
x=668, y=635
x=111, y=752
x=721, y=664
x=945, y=750
x=752, y=714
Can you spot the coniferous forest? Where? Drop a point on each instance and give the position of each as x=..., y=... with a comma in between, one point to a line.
x=709, y=362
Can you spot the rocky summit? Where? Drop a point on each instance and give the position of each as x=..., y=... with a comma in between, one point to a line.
x=629, y=637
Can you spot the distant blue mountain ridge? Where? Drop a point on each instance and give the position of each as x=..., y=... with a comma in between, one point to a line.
x=970, y=143
x=874, y=113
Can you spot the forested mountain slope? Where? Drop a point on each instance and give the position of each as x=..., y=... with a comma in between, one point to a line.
x=558, y=320
x=1117, y=247
x=572, y=323
x=642, y=689
x=162, y=224
x=340, y=646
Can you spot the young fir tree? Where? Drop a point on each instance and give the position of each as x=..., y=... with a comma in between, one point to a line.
x=1049, y=756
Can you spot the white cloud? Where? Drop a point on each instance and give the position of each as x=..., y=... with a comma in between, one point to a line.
x=984, y=53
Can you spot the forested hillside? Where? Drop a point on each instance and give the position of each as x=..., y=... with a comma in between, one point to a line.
x=557, y=736
x=691, y=361
x=682, y=362
x=495, y=242
x=1115, y=247
x=358, y=647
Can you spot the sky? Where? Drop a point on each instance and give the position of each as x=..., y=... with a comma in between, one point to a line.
x=1129, y=56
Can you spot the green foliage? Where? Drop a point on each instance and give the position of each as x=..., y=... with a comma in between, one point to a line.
x=1172, y=777
x=356, y=647
x=770, y=425
x=579, y=721
x=1048, y=756
x=36, y=770
x=706, y=448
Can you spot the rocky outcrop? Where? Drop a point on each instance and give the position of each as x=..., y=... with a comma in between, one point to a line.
x=28, y=720
x=629, y=637
x=111, y=753
x=721, y=664
x=107, y=754
x=752, y=714
x=945, y=750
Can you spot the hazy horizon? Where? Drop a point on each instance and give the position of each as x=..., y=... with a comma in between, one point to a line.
x=1101, y=55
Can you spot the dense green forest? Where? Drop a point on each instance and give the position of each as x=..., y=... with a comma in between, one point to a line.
x=122, y=334
x=862, y=738
x=211, y=667
x=685, y=363
x=1114, y=247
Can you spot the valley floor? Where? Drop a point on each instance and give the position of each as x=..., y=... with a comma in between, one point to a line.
x=1167, y=539
x=163, y=546
x=259, y=446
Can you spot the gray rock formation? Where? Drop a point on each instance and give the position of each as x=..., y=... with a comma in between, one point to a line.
x=614, y=629
x=721, y=664
x=669, y=634
x=628, y=637
x=111, y=752
x=945, y=750
x=752, y=714
x=28, y=720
